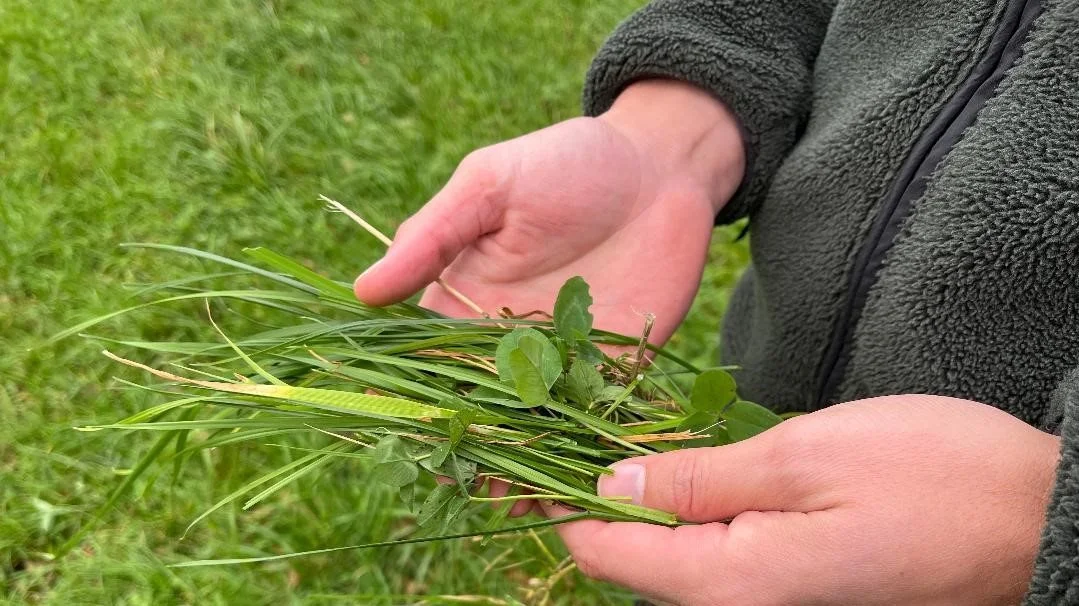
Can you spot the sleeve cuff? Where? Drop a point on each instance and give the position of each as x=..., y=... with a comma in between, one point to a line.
x=767, y=85
x=1056, y=571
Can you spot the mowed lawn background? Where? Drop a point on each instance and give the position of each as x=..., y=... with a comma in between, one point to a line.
x=215, y=124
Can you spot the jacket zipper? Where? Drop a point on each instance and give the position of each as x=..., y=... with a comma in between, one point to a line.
x=939, y=138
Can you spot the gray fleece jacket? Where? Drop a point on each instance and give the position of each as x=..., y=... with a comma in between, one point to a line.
x=913, y=203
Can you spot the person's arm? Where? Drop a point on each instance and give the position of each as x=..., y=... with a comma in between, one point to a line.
x=755, y=55
x=626, y=197
x=1056, y=571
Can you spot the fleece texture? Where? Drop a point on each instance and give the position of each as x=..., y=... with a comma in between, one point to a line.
x=976, y=294
x=1056, y=572
x=882, y=70
x=757, y=57
x=979, y=297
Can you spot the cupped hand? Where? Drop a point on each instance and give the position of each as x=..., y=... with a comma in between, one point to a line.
x=625, y=200
x=913, y=500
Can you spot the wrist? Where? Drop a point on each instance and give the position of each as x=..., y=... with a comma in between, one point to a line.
x=685, y=133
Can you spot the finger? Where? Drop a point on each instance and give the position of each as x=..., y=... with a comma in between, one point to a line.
x=712, y=484
x=759, y=558
x=655, y=561
x=468, y=207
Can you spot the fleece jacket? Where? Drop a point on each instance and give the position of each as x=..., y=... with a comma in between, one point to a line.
x=913, y=203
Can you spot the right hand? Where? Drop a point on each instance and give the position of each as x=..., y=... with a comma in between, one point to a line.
x=625, y=200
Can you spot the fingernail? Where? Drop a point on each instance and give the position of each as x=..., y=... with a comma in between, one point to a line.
x=627, y=481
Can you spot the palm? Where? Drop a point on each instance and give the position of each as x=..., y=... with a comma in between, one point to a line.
x=651, y=264
x=520, y=218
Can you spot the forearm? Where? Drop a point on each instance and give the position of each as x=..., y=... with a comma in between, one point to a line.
x=693, y=138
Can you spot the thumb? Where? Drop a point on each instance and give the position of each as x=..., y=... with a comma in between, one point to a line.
x=711, y=484
x=656, y=561
x=760, y=558
x=467, y=208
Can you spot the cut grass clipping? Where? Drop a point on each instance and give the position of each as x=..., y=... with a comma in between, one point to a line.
x=533, y=400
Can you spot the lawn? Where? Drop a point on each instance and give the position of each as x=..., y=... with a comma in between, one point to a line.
x=215, y=124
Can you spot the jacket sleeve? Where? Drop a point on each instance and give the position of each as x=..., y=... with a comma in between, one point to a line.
x=754, y=55
x=1056, y=571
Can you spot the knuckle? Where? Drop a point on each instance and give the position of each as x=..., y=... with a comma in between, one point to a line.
x=792, y=441
x=684, y=481
x=480, y=173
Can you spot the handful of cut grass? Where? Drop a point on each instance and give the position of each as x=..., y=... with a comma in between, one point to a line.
x=533, y=401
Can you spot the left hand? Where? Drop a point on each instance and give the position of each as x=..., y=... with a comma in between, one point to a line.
x=894, y=500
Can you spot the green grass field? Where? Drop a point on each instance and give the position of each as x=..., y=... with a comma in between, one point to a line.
x=215, y=124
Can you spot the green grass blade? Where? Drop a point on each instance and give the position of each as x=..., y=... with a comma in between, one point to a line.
x=247, y=295
x=463, y=535
x=201, y=254
x=283, y=264
x=325, y=399
x=322, y=458
x=246, y=488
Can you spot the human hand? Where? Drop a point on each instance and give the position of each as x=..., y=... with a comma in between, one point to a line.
x=895, y=500
x=625, y=200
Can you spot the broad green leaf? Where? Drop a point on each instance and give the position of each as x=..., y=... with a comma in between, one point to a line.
x=408, y=496
x=587, y=351
x=721, y=435
x=460, y=469
x=435, y=504
x=454, y=510
x=544, y=355
x=698, y=421
x=439, y=454
x=530, y=385
x=610, y=393
x=745, y=419
x=538, y=348
x=483, y=393
x=713, y=390
x=507, y=344
x=572, y=320
x=740, y=430
x=395, y=474
x=563, y=350
x=394, y=466
x=458, y=426
x=584, y=382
